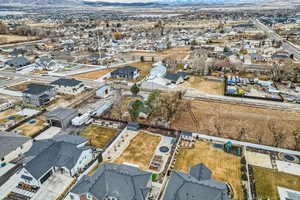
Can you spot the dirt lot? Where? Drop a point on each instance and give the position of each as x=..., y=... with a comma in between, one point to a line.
x=100, y=136
x=210, y=87
x=14, y=38
x=232, y=118
x=21, y=86
x=94, y=75
x=140, y=151
x=225, y=167
x=29, y=129
x=267, y=181
x=175, y=53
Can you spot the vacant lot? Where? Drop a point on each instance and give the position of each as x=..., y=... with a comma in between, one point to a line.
x=21, y=86
x=140, y=151
x=210, y=87
x=31, y=127
x=100, y=136
x=175, y=53
x=14, y=38
x=94, y=75
x=267, y=181
x=228, y=120
x=225, y=167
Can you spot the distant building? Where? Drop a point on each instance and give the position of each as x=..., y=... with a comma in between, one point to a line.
x=68, y=86
x=126, y=72
x=17, y=62
x=114, y=182
x=46, y=63
x=198, y=184
x=176, y=78
x=103, y=92
x=61, y=117
x=38, y=95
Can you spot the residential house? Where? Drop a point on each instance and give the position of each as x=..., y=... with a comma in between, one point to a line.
x=126, y=72
x=176, y=78
x=66, y=154
x=112, y=182
x=61, y=117
x=13, y=146
x=38, y=95
x=198, y=184
x=68, y=86
x=17, y=62
x=46, y=63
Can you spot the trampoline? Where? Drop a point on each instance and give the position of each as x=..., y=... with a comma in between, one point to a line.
x=164, y=149
x=31, y=121
x=218, y=146
x=289, y=158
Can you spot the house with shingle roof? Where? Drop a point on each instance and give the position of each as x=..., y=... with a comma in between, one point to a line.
x=69, y=86
x=66, y=155
x=114, y=181
x=38, y=95
x=126, y=72
x=17, y=62
x=196, y=185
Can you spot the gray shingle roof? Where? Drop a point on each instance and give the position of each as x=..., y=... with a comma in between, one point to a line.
x=10, y=142
x=61, y=113
x=66, y=82
x=125, y=70
x=36, y=89
x=184, y=186
x=121, y=181
x=18, y=61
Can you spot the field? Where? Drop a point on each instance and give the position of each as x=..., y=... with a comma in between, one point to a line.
x=175, y=53
x=99, y=136
x=232, y=118
x=14, y=38
x=210, y=87
x=267, y=181
x=140, y=150
x=225, y=167
x=29, y=129
x=94, y=75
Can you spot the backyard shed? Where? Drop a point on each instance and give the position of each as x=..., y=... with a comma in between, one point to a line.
x=61, y=117
x=133, y=126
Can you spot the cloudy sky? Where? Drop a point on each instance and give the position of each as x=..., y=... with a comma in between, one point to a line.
x=125, y=1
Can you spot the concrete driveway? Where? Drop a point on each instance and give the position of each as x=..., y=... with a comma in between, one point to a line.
x=53, y=187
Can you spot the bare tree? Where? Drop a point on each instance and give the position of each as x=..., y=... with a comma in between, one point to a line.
x=296, y=135
x=277, y=132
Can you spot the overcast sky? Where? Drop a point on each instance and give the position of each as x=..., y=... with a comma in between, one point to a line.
x=125, y=1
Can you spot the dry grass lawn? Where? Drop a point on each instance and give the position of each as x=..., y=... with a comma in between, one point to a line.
x=29, y=129
x=140, y=151
x=225, y=167
x=7, y=113
x=14, y=38
x=99, y=136
x=175, y=53
x=94, y=75
x=231, y=118
x=21, y=86
x=210, y=87
x=267, y=181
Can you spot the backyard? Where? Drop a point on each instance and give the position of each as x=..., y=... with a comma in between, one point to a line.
x=267, y=180
x=10, y=114
x=94, y=75
x=21, y=86
x=224, y=166
x=99, y=136
x=31, y=127
x=140, y=150
x=207, y=86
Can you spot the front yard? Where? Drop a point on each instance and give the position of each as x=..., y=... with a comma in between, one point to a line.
x=225, y=167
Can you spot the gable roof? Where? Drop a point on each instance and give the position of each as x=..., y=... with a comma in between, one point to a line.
x=125, y=70
x=18, y=61
x=61, y=113
x=36, y=89
x=184, y=186
x=66, y=82
x=175, y=76
x=121, y=181
x=10, y=142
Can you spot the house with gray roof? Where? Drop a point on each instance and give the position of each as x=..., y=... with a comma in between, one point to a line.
x=126, y=72
x=115, y=182
x=61, y=117
x=38, y=95
x=17, y=62
x=12, y=146
x=176, y=78
x=196, y=185
x=69, y=86
x=60, y=154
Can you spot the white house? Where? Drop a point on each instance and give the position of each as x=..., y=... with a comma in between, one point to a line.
x=68, y=86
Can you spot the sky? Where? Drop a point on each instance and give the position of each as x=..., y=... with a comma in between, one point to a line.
x=125, y=1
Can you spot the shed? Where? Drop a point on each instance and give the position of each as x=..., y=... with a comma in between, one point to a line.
x=187, y=135
x=61, y=117
x=103, y=92
x=133, y=126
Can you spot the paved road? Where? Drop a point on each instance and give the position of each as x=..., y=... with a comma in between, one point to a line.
x=286, y=45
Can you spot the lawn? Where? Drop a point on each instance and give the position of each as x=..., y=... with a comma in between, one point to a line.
x=29, y=129
x=267, y=181
x=207, y=86
x=140, y=150
x=225, y=167
x=99, y=136
x=21, y=86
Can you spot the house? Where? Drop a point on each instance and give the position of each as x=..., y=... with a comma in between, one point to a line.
x=68, y=86
x=46, y=63
x=198, y=184
x=66, y=154
x=126, y=72
x=61, y=117
x=114, y=181
x=38, y=95
x=17, y=62
x=176, y=78
x=12, y=146
x=187, y=135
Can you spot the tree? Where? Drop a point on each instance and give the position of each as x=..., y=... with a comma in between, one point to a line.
x=135, y=89
x=3, y=28
x=277, y=132
x=135, y=108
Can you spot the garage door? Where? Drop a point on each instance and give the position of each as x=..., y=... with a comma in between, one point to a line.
x=46, y=176
x=56, y=123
